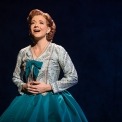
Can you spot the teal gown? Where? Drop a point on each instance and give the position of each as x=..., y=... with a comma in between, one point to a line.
x=57, y=105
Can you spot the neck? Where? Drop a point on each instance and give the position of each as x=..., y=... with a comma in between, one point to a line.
x=39, y=48
x=41, y=43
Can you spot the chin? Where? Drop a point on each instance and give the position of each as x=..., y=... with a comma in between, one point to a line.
x=37, y=38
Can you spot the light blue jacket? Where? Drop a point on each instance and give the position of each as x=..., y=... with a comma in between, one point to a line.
x=54, y=58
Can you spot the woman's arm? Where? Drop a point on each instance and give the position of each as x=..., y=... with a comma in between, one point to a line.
x=70, y=74
x=17, y=72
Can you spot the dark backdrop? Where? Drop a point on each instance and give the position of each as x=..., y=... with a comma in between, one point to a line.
x=90, y=31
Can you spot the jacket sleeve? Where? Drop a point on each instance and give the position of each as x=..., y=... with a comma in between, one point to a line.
x=70, y=77
x=17, y=79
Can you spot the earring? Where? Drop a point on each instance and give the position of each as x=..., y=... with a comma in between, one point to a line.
x=47, y=34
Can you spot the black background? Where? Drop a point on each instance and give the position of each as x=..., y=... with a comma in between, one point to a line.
x=90, y=30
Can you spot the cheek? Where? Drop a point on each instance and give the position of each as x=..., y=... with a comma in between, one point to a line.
x=45, y=29
x=31, y=29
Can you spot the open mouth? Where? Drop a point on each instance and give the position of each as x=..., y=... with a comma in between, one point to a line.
x=36, y=30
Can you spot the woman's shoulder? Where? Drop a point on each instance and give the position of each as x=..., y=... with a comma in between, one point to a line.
x=58, y=47
x=25, y=49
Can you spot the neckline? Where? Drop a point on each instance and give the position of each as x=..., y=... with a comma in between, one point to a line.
x=41, y=53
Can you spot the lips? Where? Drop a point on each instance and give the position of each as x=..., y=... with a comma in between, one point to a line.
x=36, y=30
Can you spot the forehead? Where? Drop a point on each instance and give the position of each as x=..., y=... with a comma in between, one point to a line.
x=38, y=18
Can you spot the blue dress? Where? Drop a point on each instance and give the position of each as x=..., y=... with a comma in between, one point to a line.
x=57, y=105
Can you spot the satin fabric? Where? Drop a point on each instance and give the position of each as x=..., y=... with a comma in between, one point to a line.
x=59, y=107
x=35, y=65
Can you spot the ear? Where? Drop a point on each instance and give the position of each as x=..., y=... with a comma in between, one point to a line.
x=48, y=30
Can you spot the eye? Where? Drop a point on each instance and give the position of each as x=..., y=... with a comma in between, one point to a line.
x=41, y=22
x=32, y=23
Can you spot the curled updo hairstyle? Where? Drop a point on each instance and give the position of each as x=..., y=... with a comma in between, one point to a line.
x=50, y=22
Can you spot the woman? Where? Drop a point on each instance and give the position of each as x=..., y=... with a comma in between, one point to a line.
x=44, y=98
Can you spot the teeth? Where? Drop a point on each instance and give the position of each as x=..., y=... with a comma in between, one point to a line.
x=36, y=30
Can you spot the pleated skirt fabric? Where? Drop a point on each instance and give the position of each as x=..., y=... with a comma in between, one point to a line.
x=59, y=107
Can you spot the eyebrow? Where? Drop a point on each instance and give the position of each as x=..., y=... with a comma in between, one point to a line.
x=35, y=21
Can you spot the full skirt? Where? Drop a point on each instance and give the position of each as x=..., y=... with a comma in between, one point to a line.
x=59, y=107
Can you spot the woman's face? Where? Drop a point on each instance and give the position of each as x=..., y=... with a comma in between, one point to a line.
x=39, y=27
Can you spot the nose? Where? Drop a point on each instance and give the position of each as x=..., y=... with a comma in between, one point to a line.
x=36, y=25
